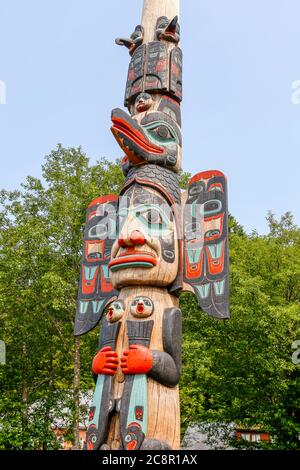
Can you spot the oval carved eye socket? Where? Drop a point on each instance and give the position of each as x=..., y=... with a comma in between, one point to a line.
x=153, y=217
x=163, y=132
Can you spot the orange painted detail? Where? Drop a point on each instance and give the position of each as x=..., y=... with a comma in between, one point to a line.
x=89, y=250
x=216, y=266
x=105, y=362
x=88, y=287
x=138, y=258
x=105, y=283
x=120, y=125
x=136, y=238
x=136, y=360
x=194, y=270
x=206, y=175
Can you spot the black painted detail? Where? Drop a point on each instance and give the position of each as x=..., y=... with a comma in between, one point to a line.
x=167, y=365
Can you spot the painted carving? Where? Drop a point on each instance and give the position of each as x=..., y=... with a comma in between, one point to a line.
x=135, y=40
x=137, y=263
x=206, y=242
x=141, y=307
x=96, y=290
x=115, y=311
x=168, y=30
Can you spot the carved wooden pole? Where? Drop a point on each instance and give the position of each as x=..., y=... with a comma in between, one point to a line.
x=163, y=242
x=154, y=9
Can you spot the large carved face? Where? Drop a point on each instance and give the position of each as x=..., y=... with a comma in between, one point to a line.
x=146, y=251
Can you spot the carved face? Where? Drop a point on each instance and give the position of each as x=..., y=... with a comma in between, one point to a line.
x=143, y=102
x=141, y=307
x=115, y=311
x=146, y=250
x=152, y=137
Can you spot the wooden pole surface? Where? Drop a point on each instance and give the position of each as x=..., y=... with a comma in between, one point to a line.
x=152, y=10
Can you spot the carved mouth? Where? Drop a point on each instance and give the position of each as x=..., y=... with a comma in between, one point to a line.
x=133, y=259
x=126, y=135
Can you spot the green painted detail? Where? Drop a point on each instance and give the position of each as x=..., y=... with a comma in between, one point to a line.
x=97, y=398
x=194, y=255
x=139, y=397
x=118, y=267
x=213, y=211
x=83, y=307
x=216, y=250
x=219, y=287
x=97, y=306
x=155, y=138
x=90, y=272
x=203, y=290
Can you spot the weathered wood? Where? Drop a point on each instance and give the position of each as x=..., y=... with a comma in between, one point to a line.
x=152, y=10
x=136, y=400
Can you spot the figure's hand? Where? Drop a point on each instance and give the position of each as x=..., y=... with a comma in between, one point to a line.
x=136, y=360
x=105, y=362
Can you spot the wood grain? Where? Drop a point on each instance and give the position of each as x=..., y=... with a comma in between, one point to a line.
x=152, y=10
x=163, y=402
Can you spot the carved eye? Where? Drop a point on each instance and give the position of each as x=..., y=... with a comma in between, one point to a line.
x=153, y=217
x=163, y=132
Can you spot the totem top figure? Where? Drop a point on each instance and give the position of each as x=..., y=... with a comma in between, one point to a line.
x=143, y=248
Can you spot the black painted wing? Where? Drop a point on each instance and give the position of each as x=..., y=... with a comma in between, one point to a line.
x=95, y=289
x=206, y=266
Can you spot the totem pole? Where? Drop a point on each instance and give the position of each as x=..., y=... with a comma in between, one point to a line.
x=162, y=242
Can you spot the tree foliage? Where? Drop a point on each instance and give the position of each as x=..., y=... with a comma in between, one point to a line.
x=235, y=371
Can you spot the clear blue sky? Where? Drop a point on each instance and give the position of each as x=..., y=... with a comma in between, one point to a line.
x=64, y=74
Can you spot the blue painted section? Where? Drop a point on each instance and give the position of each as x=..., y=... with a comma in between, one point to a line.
x=97, y=400
x=90, y=272
x=216, y=250
x=139, y=397
x=203, y=290
x=83, y=307
x=105, y=270
x=97, y=306
x=219, y=287
x=194, y=255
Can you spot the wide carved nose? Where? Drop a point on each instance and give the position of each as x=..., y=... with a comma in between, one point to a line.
x=134, y=238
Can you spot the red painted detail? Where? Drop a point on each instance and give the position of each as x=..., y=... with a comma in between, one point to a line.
x=216, y=266
x=124, y=160
x=161, y=65
x=131, y=445
x=165, y=97
x=120, y=125
x=88, y=287
x=216, y=185
x=136, y=360
x=90, y=243
x=141, y=258
x=140, y=308
x=136, y=238
x=105, y=362
x=215, y=217
x=103, y=200
x=139, y=413
x=91, y=215
x=105, y=283
x=206, y=175
x=92, y=414
x=194, y=270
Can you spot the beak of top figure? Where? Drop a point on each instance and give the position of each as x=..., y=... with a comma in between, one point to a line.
x=135, y=40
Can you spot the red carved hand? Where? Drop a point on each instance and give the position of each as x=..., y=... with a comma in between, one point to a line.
x=136, y=360
x=105, y=362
